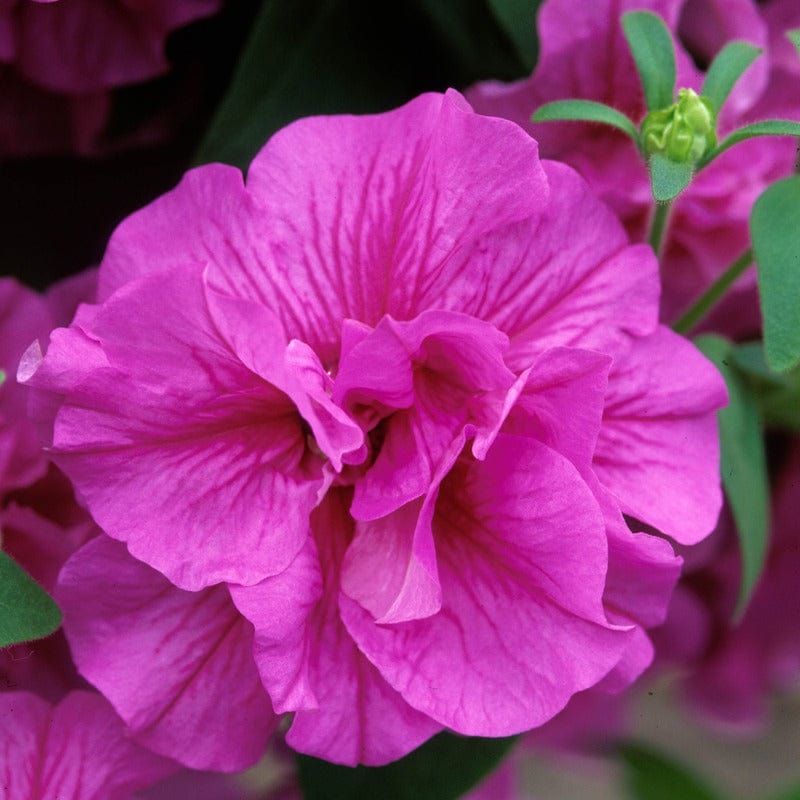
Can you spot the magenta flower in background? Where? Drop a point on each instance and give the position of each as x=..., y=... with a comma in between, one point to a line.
x=731, y=669
x=392, y=397
x=76, y=750
x=55, y=94
x=584, y=55
x=41, y=524
x=25, y=316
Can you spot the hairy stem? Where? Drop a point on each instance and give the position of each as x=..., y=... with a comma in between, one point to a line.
x=713, y=294
x=658, y=226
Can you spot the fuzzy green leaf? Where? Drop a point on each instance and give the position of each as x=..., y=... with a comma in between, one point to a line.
x=794, y=37
x=777, y=393
x=775, y=232
x=27, y=612
x=651, y=45
x=767, y=127
x=443, y=768
x=743, y=464
x=668, y=178
x=650, y=775
x=585, y=111
x=728, y=66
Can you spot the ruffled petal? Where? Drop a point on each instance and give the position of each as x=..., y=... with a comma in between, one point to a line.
x=359, y=718
x=658, y=449
x=363, y=213
x=564, y=277
x=449, y=372
x=521, y=547
x=178, y=447
x=177, y=666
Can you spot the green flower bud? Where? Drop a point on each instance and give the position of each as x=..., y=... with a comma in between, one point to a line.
x=684, y=132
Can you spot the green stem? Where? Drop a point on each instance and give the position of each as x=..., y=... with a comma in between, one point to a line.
x=713, y=294
x=658, y=226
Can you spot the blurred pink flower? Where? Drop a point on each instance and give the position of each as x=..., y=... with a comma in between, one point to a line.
x=76, y=750
x=26, y=315
x=584, y=55
x=41, y=524
x=731, y=669
x=59, y=59
x=396, y=391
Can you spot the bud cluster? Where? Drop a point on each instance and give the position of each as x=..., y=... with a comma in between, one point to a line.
x=684, y=132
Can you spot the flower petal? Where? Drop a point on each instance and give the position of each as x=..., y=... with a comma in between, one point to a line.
x=360, y=718
x=390, y=566
x=279, y=608
x=255, y=334
x=177, y=447
x=363, y=213
x=205, y=219
x=450, y=373
x=658, y=449
x=563, y=384
x=565, y=277
x=78, y=750
x=177, y=666
x=521, y=551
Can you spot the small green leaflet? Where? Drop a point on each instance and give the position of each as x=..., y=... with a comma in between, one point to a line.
x=743, y=465
x=767, y=127
x=728, y=66
x=775, y=232
x=585, y=111
x=777, y=393
x=27, y=612
x=788, y=793
x=650, y=775
x=794, y=38
x=668, y=178
x=444, y=768
x=651, y=45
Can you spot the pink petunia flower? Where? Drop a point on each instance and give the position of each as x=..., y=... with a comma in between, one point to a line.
x=732, y=668
x=59, y=59
x=396, y=391
x=25, y=315
x=584, y=55
x=177, y=666
x=76, y=750
x=41, y=524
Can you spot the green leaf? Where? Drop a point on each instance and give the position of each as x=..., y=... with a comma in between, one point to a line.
x=444, y=767
x=777, y=393
x=585, y=111
x=728, y=66
x=651, y=45
x=650, y=775
x=775, y=232
x=668, y=178
x=350, y=56
x=26, y=610
x=767, y=127
x=794, y=37
x=787, y=793
x=518, y=20
x=743, y=464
